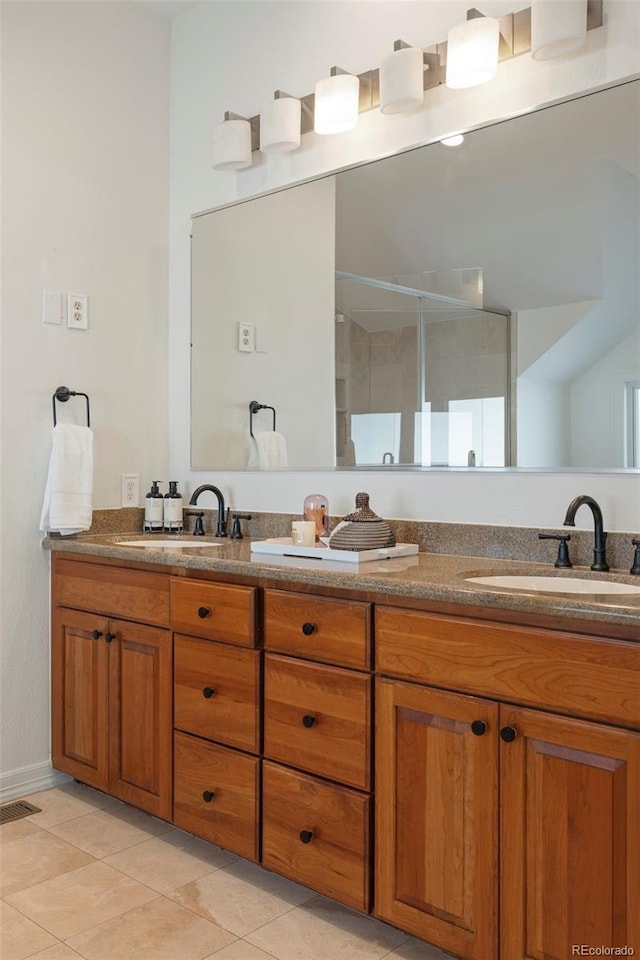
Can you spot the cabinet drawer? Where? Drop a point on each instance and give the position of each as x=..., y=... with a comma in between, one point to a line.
x=334, y=860
x=335, y=631
x=117, y=591
x=588, y=677
x=229, y=781
x=318, y=718
x=216, y=692
x=214, y=611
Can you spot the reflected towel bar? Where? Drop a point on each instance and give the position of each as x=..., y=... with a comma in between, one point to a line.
x=254, y=406
x=62, y=394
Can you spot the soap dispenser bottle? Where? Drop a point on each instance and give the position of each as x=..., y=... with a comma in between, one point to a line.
x=153, y=509
x=173, y=509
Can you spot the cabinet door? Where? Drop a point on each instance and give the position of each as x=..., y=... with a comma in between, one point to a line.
x=79, y=682
x=570, y=840
x=140, y=716
x=436, y=817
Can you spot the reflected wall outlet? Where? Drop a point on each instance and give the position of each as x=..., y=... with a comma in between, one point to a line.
x=130, y=490
x=77, y=313
x=245, y=337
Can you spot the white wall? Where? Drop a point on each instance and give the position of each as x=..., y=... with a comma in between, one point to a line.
x=231, y=56
x=85, y=142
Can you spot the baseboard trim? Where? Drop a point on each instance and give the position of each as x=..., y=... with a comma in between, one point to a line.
x=31, y=779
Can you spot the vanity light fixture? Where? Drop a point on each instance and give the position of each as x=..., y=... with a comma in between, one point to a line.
x=402, y=79
x=548, y=29
x=453, y=141
x=232, y=143
x=280, y=124
x=472, y=52
x=557, y=29
x=337, y=102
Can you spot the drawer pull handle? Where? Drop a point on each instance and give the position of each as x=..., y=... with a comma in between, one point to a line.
x=208, y=796
x=306, y=836
x=308, y=629
x=204, y=612
x=109, y=637
x=96, y=634
x=478, y=727
x=308, y=720
x=508, y=734
x=208, y=692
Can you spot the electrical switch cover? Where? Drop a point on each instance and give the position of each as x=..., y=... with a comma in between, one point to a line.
x=245, y=337
x=262, y=344
x=51, y=306
x=77, y=312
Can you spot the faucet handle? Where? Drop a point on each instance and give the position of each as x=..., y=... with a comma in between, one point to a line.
x=236, y=532
x=563, y=551
x=635, y=568
x=198, y=529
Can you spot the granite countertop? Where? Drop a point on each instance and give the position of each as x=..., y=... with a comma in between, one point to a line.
x=438, y=578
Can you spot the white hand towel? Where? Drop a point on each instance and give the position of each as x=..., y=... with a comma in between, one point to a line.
x=67, y=506
x=268, y=451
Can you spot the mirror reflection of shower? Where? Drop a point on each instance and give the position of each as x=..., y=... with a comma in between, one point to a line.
x=422, y=375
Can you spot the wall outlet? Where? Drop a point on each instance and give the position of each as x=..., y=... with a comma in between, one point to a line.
x=77, y=311
x=245, y=337
x=130, y=490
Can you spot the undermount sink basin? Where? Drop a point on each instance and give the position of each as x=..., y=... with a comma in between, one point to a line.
x=173, y=542
x=541, y=584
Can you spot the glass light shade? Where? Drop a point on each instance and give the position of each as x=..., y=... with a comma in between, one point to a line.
x=336, y=103
x=402, y=81
x=557, y=28
x=472, y=52
x=231, y=145
x=280, y=125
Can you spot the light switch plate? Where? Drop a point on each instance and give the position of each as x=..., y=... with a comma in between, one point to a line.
x=77, y=311
x=52, y=306
x=262, y=340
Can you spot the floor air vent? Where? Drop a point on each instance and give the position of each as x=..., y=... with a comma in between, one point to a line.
x=17, y=810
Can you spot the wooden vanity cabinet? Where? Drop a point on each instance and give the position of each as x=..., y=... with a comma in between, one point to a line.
x=317, y=744
x=461, y=777
x=111, y=683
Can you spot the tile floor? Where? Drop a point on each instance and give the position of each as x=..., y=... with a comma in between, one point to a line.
x=91, y=877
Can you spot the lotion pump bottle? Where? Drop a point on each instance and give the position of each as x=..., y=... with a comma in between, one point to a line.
x=153, y=509
x=173, y=509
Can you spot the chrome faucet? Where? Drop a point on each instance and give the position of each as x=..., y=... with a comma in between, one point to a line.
x=390, y=455
x=221, y=527
x=600, y=537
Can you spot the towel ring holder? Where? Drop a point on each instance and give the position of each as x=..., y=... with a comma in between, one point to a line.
x=62, y=394
x=254, y=406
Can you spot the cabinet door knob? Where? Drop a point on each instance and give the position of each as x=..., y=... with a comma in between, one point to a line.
x=308, y=720
x=478, y=727
x=306, y=836
x=208, y=796
x=208, y=692
x=204, y=612
x=508, y=734
x=96, y=634
x=109, y=637
x=308, y=629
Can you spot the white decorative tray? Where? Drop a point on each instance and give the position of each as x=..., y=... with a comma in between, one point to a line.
x=283, y=547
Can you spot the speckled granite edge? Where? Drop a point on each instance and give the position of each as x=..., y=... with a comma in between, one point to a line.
x=457, y=539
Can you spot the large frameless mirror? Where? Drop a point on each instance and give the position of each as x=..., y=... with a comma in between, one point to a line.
x=470, y=306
